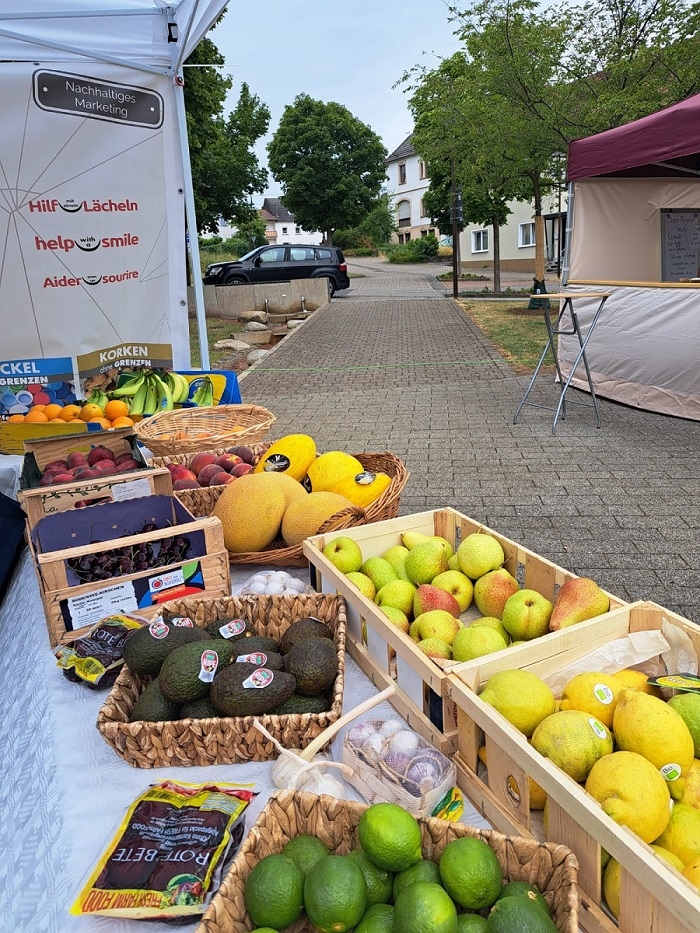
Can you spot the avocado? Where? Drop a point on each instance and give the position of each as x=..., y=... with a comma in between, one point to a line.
x=314, y=663
x=260, y=643
x=146, y=648
x=229, y=628
x=300, y=704
x=234, y=691
x=199, y=709
x=187, y=672
x=310, y=627
x=151, y=706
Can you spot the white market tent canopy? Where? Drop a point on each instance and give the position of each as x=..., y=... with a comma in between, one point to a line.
x=151, y=36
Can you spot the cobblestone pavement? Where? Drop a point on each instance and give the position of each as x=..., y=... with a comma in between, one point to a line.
x=394, y=364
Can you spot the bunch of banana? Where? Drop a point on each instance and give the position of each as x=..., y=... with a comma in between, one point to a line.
x=130, y=385
x=179, y=386
x=203, y=396
x=98, y=397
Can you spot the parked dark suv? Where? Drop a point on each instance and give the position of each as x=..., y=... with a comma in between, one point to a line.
x=280, y=264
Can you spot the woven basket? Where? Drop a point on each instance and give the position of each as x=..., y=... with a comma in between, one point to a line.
x=201, y=503
x=189, y=430
x=551, y=868
x=228, y=739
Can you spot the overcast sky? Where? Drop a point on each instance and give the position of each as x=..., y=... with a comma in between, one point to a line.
x=351, y=53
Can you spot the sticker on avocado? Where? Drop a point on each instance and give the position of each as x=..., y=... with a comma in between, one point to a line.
x=182, y=622
x=598, y=727
x=232, y=628
x=158, y=628
x=210, y=662
x=259, y=679
x=603, y=694
x=257, y=657
x=671, y=771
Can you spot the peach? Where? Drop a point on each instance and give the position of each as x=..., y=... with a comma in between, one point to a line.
x=127, y=455
x=126, y=466
x=100, y=453
x=181, y=472
x=228, y=461
x=63, y=478
x=221, y=479
x=56, y=466
x=201, y=460
x=245, y=453
x=76, y=459
x=186, y=484
x=206, y=473
x=105, y=467
x=241, y=469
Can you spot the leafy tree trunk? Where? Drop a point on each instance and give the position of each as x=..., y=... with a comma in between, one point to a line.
x=539, y=228
x=496, y=254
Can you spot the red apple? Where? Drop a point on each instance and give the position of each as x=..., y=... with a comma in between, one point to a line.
x=100, y=453
x=87, y=472
x=127, y=455
x=56, y=466
x=63, y=477
x=222, y=479
x=186, y=484
x=49, y=477
x=206, y=473
x=241, y=469
x=200, y=460
x=181, y=472
x=76, y=459
x=105, y=467
x=126, y=466
x=228, y=461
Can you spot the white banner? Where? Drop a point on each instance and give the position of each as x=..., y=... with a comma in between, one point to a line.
x=92, y=216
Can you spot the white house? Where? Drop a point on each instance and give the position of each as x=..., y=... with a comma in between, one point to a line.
x=408, y=184
x=281, y=228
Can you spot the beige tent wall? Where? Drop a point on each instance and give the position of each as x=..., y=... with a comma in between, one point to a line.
x=616, y=227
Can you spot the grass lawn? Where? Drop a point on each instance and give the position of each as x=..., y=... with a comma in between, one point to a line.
x=520, y=334
x=217, y=329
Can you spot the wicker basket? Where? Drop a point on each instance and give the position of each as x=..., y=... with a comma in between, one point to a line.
x=201, y=503
x=228, y=739
x=552, y=868
x=189, y=430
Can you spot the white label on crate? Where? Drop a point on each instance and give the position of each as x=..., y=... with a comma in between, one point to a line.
x=603, y=693
x=598, y=727
x=131, y=490
x=263, y=677
x=165, y=581
x=91, y=607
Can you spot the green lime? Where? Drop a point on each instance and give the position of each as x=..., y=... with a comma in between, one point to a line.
x=379, y=881
x=274, y=892
x=471, y=923
x=518, y=915
x=470, y=872
x=390, y=836
x=379, y=918
x=425, y=907
x=335, y=894
x=305, y=851
x=425, y=870
x=264, y=930
x=523, y=889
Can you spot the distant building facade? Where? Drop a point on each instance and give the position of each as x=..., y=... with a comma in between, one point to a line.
x=408, y=185
x=281, y=228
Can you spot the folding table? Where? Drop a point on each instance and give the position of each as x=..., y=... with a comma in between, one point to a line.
x=553, y=330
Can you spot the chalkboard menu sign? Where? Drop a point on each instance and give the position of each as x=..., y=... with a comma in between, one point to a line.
x=680, y=244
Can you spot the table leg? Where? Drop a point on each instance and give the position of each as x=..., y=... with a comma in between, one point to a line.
x=581, y=356
x=551, y=331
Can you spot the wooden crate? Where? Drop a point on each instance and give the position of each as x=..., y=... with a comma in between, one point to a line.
x=71, y=605
x=386, y=654
x=654, y=897
x=39, y=501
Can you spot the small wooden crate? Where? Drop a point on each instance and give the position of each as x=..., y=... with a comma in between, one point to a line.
x=386, y=654
x=654, y=898
x=71, y=606
x=227, y=739
x=39, y=501
x=551, y=868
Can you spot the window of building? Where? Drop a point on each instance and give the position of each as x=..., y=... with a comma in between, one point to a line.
x=526, y=234
x=402, y=173
x=297, y=230
x=423, y=211
x=423, y=234
x=284, y=231
x=431, y=232
x=400, y=237
x=422, y=169
x=480, y=241
x=403, y=209
x=408, y=237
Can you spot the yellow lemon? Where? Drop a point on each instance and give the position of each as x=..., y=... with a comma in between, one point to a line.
x=632, y=792
x=669, y=857
x=691, y=794
x=682, y=834
x=611, y=887
x=650, y=727
x=522, y=697
x=637, y=680
x=573, y=741
x=692, y=872
x=592, y=693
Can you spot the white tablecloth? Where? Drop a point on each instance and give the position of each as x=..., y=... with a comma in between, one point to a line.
x=66, y=790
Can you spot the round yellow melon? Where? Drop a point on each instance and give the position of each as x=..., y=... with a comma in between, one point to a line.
x=329, y=468
x=290, y=488
x=304, y=516
x=250, y=511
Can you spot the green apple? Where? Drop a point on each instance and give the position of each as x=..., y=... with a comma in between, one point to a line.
x=363, y=583
x=397, y=593
x=396, y=556
x=458, y=584
x=478, y=553
x=397, y=618
x=379, y=571
x=344, y=553
x=426, y=561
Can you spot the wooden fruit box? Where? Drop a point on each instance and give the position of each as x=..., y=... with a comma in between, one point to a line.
x=654, y=898
x=227, y=739
x=39, y=501
x=387, y=655
x=72, y=604
x=551, y=868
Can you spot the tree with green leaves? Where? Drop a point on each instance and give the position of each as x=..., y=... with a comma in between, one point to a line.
x=225, y=170
x=331, y=165
x=374, y=229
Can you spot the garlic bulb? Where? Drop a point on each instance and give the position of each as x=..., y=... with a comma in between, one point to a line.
x=391, y=726
x=359, y=732
x=406, y=741
x=373, y=746
x=314, y=779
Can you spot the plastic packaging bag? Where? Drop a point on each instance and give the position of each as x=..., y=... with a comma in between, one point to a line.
x=273, y=583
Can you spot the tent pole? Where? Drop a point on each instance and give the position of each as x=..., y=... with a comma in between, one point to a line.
x=192, y=223
x=569, y=232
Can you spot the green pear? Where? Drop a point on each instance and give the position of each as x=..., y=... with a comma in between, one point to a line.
x=526, y=615
x=479, y=553
x=397, y=618
x=413, y=632
x=453, y=563
x=457, y=583
x=495, y=624
x=492, y=590
x=363, y=583
x=426, y=561
x=379, y=571
x=397, y=593
x=396, y=556
x=411, y=538
x=438, y=623
x=435, y=648
x=577, y=600
x=474, y=641
x=344, y=553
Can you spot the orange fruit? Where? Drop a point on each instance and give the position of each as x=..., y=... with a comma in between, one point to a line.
x=37, y=407
x=104, y=422
x=69, y=412
x=115, y=408
x=90, y=411
x=34, y=416
x=56, y=421
x=122, y=422
x=53, y=410
x=16, y=419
